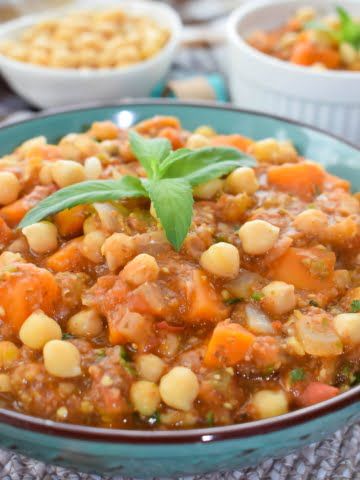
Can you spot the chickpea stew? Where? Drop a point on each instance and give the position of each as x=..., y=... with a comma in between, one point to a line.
x=231, y=295
x=311, y=40
x=89, y=39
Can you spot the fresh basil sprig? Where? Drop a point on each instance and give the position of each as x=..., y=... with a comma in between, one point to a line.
x=348, y=31
x=171, y=176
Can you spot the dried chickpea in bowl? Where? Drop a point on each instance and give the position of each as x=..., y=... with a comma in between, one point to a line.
x=109, y=38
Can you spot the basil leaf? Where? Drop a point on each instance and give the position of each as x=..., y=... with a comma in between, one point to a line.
x=82, y=193
x=150, y=152
x=173, y=202
x=199, y=166
x=349, y=31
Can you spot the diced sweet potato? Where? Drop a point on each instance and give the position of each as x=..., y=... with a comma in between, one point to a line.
x=68, y=258
x=305, y=268
x=228, y=345
x=236, y=141
x=5, y=233
x=70, y=222
x=24, y=289
x=153, y=125
x=203, y=302
x=302, y=179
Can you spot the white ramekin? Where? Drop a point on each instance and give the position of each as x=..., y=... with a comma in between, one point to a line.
x=50, y=87
x=326, y=99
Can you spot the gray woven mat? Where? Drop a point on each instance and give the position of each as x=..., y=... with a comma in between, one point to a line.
x=337, y=458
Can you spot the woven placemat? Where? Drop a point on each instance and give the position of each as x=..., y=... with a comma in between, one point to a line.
x=337, y=458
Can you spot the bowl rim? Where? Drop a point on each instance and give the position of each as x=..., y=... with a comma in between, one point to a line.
x=236, y=38
x=175, y=28
x=187, y=436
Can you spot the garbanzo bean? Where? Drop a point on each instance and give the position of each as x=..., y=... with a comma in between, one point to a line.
x=347, y=326
x=118, y=250
x=9, y=353
x=311, y=221
x=86, y=323
x=269, y=403
x=149, y=367
x=279, y=298
x=5, y=383
x=196, y=140
x=221, y=259
x=258, y=236
x=179, y=388
x=145, y=397
x=93, y=168
x=10, y=188
x=208, y=190
x=62, y=359
x=41, y=237
x=38, y=329
x=143, y=268
x=242, y=180
x=92, y=244
x=67, y=172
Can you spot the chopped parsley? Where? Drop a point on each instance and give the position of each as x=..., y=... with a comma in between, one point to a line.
x=232, y=301
x=257, y=296
x=355, y=306
x=355, y=379
x=125, y=360
x=313, y=303
x=209, y=419
x=67, y=336
x=154, y=419
x=297, y=375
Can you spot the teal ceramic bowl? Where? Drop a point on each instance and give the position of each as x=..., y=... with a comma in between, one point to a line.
x=176, y=453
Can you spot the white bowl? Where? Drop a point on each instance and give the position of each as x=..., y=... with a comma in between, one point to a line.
x=53, y=87
x=326, y=99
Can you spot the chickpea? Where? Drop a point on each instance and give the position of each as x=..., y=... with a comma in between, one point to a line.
x=10, y=188
x=196, y=141
x=38, y=329
x=242, y=179
x=258, y=236
x=86, y=323
x=311, y=221
x=143, y=268
x=9, y=258
x=45, y=177
x=41, y=237
x=118, y=250
x=348, y=53
x=347, y=326
x=269, y=403
x=279, y=298
x=305, y=14
x=179, y=388
x=9, y=353
x=93, y=168
x=208, y=190
x=67, y=172
x=221, y=259
x=149, y=367
x=273, y=151
x=145, y=397
x=91, y=246
x=62, y=359
x=206, y=131
x=5, y=383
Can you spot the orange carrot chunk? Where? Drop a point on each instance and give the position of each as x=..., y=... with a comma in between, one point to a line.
x=68, y=259
x=14, y=212
x=153, y=125
x=236, y=141
x=32, y=288
x=307, y=53
x=6, y=233
x=302, y=179
x=317, y=392
x=70, y=222
x=228, y=345
x=332, y=182
x=203, y=301
x=305, y=268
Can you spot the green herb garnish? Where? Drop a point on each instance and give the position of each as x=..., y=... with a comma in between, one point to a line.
x=171, y=176
x=349, y=31
x=313, y=303
x=67, y=336
x=355, y=379
x=233, y=301
x=209, y=419
x=154, y=419
x=355, y=306
x=125, y=360
x=257, y=296
x=297, y=375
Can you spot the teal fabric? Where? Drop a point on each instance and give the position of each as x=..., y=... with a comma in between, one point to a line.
x=165, y=459
x=216, y=82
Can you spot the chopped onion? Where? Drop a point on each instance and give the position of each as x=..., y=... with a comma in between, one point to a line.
x=109, y=217
x=317, y=336
x=244, y=285
x=257, y=321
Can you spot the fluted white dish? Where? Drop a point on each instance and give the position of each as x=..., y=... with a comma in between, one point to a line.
x=326, y=99
x=53, y=87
